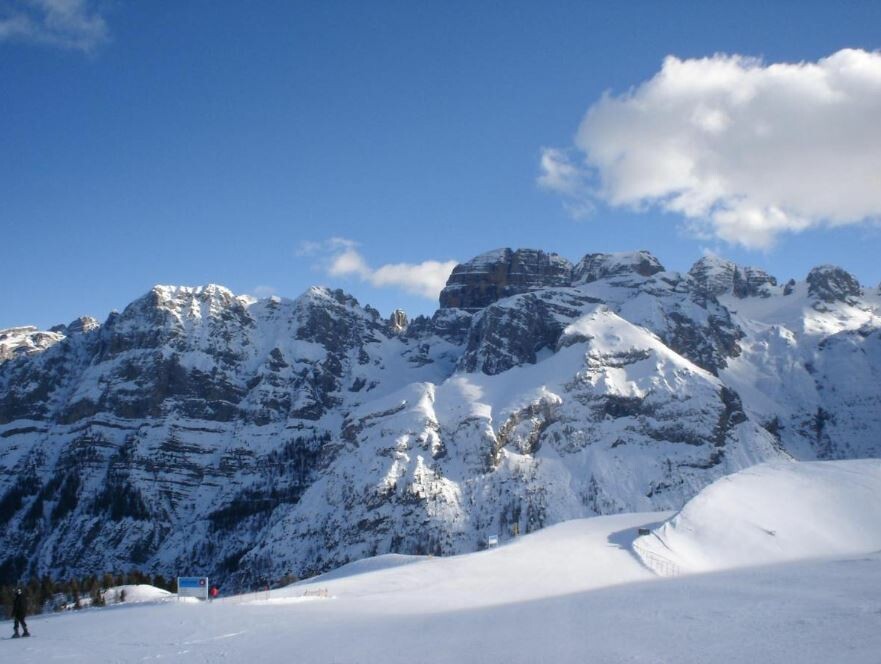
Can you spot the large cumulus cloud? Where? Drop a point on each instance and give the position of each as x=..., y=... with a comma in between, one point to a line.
x=742, y=149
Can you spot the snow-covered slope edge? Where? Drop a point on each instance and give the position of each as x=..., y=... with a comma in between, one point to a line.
x=573, y=556
x=771, y=513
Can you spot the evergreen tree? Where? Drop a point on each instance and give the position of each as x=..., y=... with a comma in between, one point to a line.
x=97, y=596
x=46, y=592
x=160, y=582
x=32, y=590
x=6, y=599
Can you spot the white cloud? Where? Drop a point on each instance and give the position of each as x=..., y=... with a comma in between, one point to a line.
x=343, y=259
x=308, y=248
x=71, y=24
x=742, y=150
x=348, y=262
x=426, y=279
x=561, y=175
x=262, y=292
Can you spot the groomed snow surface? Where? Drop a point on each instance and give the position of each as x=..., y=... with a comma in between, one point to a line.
x=575, y=592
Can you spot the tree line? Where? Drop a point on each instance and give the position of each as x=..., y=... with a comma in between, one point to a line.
x=45, y=594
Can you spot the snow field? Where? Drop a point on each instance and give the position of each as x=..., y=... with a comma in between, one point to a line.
x=805, y=613
x=575, y=592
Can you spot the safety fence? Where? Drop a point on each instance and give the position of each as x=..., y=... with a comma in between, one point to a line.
x=317, y=592
x=657, y=563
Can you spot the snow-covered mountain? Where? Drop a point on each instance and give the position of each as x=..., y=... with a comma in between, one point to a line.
x=202, y=431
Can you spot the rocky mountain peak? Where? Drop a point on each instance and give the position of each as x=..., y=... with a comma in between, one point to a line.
x=77, y=326
x=324, y=296
x=187, y=297
x=832, y=284
x=600, y=266
x=501, y=273
x=177, y=308
x=714, y=276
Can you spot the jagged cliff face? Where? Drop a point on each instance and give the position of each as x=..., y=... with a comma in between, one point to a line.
x=716, y=276
x=200, y=431
x=501, y=273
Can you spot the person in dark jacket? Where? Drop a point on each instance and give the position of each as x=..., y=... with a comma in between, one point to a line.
x=19, y=610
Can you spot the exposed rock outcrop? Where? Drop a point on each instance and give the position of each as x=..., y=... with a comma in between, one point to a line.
x=829, y=283
x=501, y=273
x=601, y=266
x=517, y=330
x=26, y=340
x=397, y=322
x=716, y=276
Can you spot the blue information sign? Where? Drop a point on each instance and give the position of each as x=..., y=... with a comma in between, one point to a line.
x=192, y=586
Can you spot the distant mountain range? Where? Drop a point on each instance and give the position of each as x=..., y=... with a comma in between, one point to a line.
x=203, y=432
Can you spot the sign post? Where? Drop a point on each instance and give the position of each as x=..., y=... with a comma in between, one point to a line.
x=192, y=586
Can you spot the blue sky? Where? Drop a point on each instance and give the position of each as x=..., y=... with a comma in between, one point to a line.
x=219, y=142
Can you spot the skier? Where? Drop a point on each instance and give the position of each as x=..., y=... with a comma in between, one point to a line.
x=19, y=609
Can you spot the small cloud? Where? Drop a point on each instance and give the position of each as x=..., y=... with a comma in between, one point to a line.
x=425, y=279
x=341, y=243
x=308, y=248
x=262, y=292
x=334, y=244
x=579, y=209
x=740, y=150
x=561, y=175
x=70, y=24
x=348, y=262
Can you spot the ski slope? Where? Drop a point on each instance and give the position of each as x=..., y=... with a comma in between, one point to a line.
x=775, y=512
x=575, y=592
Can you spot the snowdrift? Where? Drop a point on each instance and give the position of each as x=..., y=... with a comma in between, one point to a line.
x=367, y=565
x=141, y=592
x=771, y=513
x=126, y=594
